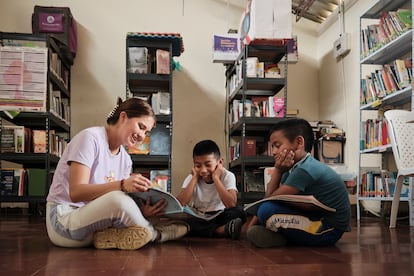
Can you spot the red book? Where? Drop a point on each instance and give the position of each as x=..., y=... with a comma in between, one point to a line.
x=249, y=147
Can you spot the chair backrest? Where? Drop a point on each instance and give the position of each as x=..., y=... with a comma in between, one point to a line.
x=402, y=138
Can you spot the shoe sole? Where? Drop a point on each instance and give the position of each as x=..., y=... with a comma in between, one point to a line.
x=130, y=238
x=236, y=229
x=264, y=238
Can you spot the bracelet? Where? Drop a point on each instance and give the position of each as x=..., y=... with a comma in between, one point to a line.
x=122, y=186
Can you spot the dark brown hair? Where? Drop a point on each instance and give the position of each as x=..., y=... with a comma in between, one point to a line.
x=133, y=107
x=206, y=147
x=294, y=127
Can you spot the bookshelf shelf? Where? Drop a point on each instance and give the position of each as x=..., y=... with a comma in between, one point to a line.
x=390, y=51
x=403, y=198
x=150, y=160
x=31, y=159
x=247, y=126
x=38, y=120
x=254, y=124
x=263, y=161
x=52, y=118
x=377, y=163
x=396, y=98
x=148, y=82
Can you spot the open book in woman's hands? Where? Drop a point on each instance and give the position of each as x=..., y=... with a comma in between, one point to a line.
x=174, y=209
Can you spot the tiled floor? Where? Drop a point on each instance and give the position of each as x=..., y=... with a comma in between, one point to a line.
x=371, y=249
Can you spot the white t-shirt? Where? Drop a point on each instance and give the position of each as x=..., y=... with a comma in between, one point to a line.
x=89, y=147
x=206, y=197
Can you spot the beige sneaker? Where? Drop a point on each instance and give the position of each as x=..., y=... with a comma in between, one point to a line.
x=171, y=230
x=129, y=238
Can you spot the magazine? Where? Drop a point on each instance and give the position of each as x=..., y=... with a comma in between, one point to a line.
x=302, y=201
x=174, y=209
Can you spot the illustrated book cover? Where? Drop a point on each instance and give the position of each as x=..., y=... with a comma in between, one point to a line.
x=174, y=208
x=302, y=201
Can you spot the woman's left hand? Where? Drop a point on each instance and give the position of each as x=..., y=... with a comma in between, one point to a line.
x=149, y=210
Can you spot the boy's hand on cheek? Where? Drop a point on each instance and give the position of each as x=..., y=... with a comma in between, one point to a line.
x=194, y=173
x=285, y=160
x=218, y=172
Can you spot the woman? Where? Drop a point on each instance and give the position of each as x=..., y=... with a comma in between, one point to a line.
x=87, y=201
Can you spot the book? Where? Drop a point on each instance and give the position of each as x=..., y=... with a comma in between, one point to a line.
x=160, y=103
x=12, y=139
x=302, y=201
x=159, y=179
x=39, y=141
x=160, y=140
x=162, y=62
x=36, y=181
x=138, y=60
x=12, y=181
x=226, y=48
x=7, y=182
x=174, y=208
x=142, y=147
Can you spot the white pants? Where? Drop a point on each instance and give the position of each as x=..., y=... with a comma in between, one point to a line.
x=70, y=226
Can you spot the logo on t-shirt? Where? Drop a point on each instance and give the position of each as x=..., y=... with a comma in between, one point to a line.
x=110, y=177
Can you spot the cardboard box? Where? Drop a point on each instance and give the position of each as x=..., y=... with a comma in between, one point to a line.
x=266, y=19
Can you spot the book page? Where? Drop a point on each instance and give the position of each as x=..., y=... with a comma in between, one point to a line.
x=301, y=201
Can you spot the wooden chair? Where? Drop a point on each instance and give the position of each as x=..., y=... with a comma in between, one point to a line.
x=401, y=135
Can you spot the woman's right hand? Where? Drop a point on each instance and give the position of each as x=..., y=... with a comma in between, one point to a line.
x=137, y=183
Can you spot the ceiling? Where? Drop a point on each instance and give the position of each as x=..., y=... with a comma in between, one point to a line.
x=315, y=10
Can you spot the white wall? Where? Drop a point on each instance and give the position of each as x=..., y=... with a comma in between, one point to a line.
x=98, y=75
x=339, y=81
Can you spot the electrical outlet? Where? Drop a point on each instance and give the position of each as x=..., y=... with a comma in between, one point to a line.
x=342, y=45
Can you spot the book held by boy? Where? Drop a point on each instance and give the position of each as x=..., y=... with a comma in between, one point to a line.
x=301, y=201
x=174, y=208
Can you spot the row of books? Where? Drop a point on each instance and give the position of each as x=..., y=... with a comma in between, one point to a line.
x=271, y=106
x=390, y=26
x=23, y=182
x=58, y=105
x=59, y=70
x=374, y=133
x=142, y=61
x=20, y=139
x=391, y=78
x=254, y=69
x=252, y=147
x=157, y=143
x=23, y=78
x=381, y=184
